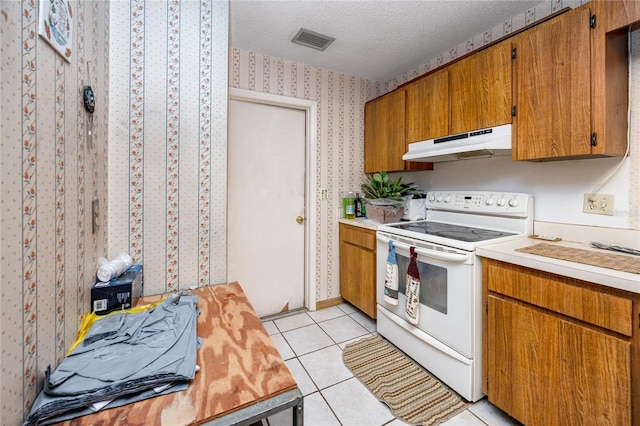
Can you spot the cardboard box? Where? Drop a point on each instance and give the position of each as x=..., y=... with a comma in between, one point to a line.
x=119, y=293
x=385, y=214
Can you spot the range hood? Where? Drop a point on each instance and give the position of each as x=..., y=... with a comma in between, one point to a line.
x=489, y=142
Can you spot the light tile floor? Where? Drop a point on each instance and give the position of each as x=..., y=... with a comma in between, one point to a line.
x=311, y=344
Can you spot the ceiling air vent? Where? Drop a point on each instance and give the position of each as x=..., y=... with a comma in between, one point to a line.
x=312, y=39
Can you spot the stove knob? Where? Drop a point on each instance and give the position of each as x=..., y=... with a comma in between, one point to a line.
x=439, y=199
x=501, y=202
x=514, y=202
x=490, y=200
x=432, y=198
x=447, y=198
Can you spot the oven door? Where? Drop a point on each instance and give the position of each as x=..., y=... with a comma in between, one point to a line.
x=446, y=289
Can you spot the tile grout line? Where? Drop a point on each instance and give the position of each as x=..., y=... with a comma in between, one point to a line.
x=320, y=391
x=297, y=357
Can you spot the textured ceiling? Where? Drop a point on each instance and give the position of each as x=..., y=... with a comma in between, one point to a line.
x=375, y=39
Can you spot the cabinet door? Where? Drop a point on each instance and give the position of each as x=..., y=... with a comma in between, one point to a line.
x=552, y=89
x=522, y=372
x=428, y=107
x=595, y=377
x=384, y=133
x=610, y=73
x=544, y=370
x=481, y=89
x=358, y=268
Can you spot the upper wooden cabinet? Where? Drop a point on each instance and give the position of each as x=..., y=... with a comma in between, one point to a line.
x=428, y=107
x=471, y=94
x=570, y=86
x=480, y=89
x=551, y=91
x=567, y=84
x=609, y=69
x=384, y=133
x=385, y=139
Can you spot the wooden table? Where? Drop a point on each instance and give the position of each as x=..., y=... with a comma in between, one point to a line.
x=242, y=377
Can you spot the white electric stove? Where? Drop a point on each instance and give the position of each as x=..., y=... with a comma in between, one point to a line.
x=447, y=339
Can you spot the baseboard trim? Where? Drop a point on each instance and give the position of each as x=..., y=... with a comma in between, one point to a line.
x=329, y=302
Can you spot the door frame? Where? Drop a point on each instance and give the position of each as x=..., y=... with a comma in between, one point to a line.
x=310, y=208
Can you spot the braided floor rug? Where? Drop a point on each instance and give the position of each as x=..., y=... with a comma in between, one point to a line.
x=410, y=392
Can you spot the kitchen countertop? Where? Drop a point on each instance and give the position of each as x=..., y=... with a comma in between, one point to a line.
x=361, y=222
x=604, y=276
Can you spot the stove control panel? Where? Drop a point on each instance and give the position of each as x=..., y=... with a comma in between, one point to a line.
x=481, y=202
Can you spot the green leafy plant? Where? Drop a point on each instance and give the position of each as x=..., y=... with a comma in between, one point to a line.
x=380, y=185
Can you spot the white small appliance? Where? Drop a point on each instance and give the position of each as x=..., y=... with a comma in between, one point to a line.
x=414, y=209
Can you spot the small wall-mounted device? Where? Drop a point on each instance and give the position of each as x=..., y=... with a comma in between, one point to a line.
x=90, y=105
x=89, y=100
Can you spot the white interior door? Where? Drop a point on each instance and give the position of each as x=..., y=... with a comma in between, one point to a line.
x=266, y=196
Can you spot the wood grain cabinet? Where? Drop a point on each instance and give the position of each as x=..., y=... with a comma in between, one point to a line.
x=570, y=86
x=358, y=267
x=385, y=139
x=471, y=94
x=559, y=351
x=480, y=89
x=384, y=133
x=609, y=70
x=428, y=107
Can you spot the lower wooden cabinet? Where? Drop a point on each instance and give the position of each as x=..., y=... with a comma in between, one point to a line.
x=559, y=351
x=358, y=267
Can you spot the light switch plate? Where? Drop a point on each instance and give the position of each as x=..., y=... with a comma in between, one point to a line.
x=95, y=215
x=324, y=194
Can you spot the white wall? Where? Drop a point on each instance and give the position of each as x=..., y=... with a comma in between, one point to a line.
x=557, y=187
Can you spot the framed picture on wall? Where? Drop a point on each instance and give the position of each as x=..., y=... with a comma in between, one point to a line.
x=56, y=25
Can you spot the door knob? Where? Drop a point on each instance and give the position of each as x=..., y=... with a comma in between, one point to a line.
x=299, y=219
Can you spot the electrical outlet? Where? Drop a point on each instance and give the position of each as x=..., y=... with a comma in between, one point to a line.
x=324, y=193
x=95, y=216
x=598, y=204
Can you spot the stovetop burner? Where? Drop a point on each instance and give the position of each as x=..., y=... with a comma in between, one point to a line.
x=454, y=232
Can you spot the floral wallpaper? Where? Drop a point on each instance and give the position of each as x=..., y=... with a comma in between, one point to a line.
x=157, y=165
x=167, y=149
x=50, y=175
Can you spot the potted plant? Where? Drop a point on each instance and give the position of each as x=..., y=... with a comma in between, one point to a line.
x=384, y=196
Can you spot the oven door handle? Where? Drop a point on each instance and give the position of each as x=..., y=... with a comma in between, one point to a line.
x=440, y=255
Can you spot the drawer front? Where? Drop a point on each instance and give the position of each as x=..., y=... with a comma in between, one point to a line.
x=360, y=237
x=562, y=295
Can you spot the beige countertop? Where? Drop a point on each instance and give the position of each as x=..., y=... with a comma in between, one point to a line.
x=604, y=276
x=361, y=222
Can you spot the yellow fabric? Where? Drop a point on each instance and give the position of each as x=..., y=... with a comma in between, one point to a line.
x=89, y=319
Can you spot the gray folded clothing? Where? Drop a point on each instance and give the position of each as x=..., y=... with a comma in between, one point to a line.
x=122, y=357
